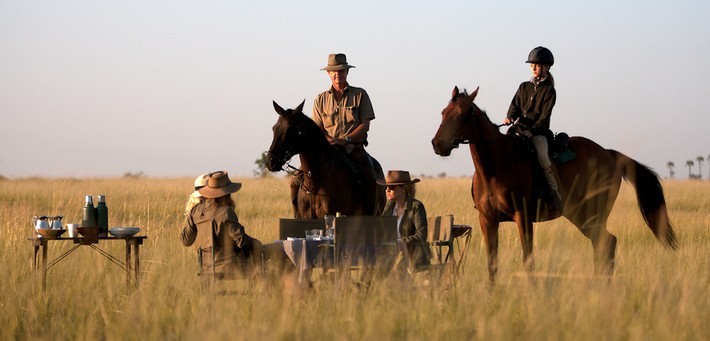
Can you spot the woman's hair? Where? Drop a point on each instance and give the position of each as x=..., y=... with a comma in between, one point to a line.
x=410, y=190
x=191, y=202
x=225, y=200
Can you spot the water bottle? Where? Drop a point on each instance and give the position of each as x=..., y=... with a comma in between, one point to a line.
x=89, y=216
x=102, y=216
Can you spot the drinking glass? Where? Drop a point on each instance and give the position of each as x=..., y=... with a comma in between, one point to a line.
x=329, y=225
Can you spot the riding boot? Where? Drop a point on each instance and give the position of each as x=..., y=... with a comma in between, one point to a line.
x=552, y=181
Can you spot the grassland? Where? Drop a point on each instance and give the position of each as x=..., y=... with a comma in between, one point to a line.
x=656, y=294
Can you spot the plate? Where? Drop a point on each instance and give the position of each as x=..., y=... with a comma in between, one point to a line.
x=50, y=233
x=124, y=232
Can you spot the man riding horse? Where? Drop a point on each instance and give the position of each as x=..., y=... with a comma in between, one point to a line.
x=343, y=113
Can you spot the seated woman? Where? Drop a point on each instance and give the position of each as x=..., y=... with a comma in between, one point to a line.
x=213, y=227
x=411, y=218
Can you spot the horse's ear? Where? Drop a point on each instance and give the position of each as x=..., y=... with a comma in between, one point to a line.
x=278, y=108
x=472, y=96
x=455, y=92
x=299, y=108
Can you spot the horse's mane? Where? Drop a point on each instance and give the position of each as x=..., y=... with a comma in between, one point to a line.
x=311, y=129
x=483, y=112
x=481, y=119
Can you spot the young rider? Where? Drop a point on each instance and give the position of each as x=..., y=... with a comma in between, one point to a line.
x=532, y=108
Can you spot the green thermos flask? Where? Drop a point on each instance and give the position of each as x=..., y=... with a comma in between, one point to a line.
x=89, y=216
x=102, y=216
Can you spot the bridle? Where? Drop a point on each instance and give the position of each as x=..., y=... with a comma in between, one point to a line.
x=458, y=139
x=296, y=173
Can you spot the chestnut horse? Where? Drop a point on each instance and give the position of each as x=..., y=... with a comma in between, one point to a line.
x=325, y=183
x=502, y=188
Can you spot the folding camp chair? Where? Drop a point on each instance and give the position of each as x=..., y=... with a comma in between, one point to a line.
x=209, y=277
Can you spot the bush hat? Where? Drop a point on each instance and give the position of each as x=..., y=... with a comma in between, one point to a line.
x=396, y=178
x=219, y=185
x=337, y=62
x=200, y=181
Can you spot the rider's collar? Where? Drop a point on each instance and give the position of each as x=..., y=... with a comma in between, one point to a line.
x=538, y=80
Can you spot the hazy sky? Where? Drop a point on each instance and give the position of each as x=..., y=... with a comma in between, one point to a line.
x=178, y=88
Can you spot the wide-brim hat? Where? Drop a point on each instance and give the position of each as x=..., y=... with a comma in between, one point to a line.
x=396, y=178
x=200, y=181
x=219, y=185
x=337, y=62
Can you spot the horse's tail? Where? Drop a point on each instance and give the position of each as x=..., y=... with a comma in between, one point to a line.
x=649, y=195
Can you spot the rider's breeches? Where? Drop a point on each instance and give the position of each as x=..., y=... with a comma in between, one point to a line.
x=540, y=143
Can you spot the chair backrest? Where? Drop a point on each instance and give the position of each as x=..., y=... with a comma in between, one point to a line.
x=365, y=240
x=440, y=230
x=296, y=228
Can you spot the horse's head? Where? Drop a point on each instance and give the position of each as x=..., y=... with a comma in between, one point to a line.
x=287, y=131
x=456, y=123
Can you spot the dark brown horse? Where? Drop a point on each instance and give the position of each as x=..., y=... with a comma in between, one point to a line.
x=325, y=183
x=502, y=187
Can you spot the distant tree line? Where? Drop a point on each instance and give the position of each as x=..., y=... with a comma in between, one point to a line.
x=690, y=164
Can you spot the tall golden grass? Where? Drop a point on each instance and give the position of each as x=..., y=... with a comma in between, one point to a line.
x=656, y=294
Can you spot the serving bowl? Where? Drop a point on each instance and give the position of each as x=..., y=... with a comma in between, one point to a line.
x=124, y=232
x=88, y=232
x=51, y=233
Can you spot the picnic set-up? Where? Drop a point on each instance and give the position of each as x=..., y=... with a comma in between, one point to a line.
x=93, y=230
x=364, y=243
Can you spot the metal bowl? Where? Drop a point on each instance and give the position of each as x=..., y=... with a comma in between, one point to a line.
x=88, y=232
x=50, y=233
x=124, y=232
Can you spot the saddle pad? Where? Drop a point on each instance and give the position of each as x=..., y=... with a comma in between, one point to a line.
x=565, y=156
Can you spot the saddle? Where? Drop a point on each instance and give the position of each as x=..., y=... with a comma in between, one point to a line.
x=369, y=170
x=557, y=144
x=559, y=153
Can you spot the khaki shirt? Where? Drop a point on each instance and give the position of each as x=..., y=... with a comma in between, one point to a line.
x=340, y=117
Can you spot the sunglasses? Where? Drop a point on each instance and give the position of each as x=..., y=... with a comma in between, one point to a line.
x=392, y=187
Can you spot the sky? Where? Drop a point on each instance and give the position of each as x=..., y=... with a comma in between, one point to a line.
x=165, y=88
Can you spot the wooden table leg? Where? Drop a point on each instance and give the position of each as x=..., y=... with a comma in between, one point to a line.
x=44, y=264
x=136, y=262
x=128, y=265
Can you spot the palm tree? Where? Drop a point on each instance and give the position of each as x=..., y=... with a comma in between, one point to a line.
x=670, y=165
x=690, y=165
x=700, y=168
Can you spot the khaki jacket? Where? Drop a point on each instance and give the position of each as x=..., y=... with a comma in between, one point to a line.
x=216, y=228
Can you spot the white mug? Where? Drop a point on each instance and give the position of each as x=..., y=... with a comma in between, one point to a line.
x=71, y=230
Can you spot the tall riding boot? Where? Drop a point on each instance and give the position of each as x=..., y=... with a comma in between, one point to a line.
x=552, y=181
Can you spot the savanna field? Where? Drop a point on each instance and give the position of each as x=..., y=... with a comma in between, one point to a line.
x=656, y=293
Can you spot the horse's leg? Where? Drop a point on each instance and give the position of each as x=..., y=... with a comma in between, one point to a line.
x=593, y=226
x=489, y=229
x=604, y=252
x=525, y=232
x=294, y=186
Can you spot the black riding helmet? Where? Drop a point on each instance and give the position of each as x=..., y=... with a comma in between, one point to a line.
x=541, y=55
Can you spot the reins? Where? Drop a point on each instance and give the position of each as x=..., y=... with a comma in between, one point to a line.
x=460, y=140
